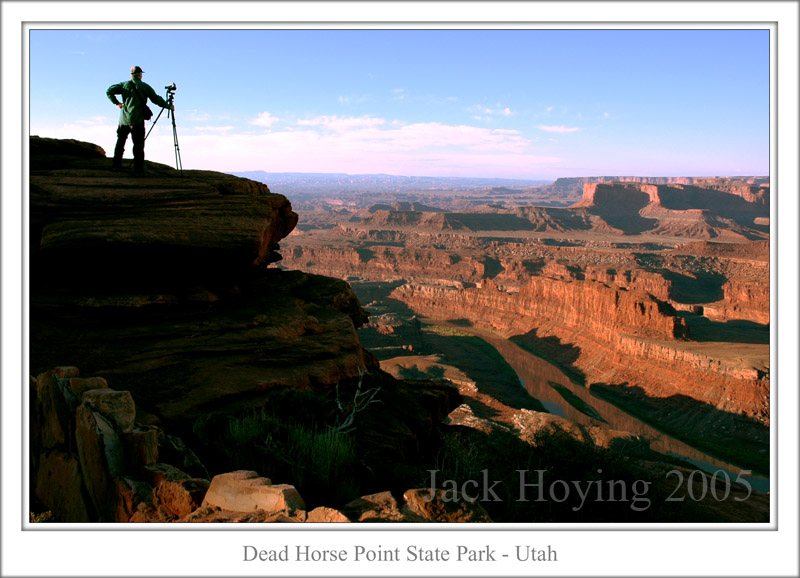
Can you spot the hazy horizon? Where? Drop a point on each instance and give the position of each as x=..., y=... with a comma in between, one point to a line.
x=496, y=178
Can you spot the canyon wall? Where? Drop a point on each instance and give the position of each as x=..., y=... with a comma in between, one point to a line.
x=743, y=300
x=568, y=185
x=387, y=263
x=609, y=335
x=160, y=284
x=731, y=211
x=708, y=209
x=578, y=305
x=692, y=194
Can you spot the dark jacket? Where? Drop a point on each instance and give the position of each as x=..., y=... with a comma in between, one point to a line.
x=133, y=110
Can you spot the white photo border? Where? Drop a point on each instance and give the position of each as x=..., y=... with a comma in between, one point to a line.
x=585, y=550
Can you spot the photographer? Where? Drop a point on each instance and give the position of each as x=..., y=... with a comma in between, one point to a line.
x=134, y=93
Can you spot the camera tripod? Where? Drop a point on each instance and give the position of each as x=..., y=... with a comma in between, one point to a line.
x=170, y=97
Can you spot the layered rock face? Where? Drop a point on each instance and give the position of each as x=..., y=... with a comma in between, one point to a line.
x=388, y=263
x=163, y=276
x=612, y=336
x=654, y=292
x=743, y=300
x=160, y=285
x=102, y=229
x=588, y=306
x=575, y=185
x=692, y=194
x=727, y=210
x=708, y=209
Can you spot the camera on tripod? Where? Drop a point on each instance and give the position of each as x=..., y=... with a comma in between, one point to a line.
x=171, y=87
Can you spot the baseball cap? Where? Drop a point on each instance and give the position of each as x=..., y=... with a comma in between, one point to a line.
x=136, y=70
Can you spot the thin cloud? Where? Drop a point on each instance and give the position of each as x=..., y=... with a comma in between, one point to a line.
x=342, y=123
x=336, y=144
x=214, y=129
x=560, y=128
x=407, y=150
x=351, y=99
x=93, y=121
x=481, y=110
x=264, y=119
x=197, y=116
x=403, y=94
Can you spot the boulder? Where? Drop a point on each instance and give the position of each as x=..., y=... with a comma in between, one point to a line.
x=287, y=516
x=244, y=491
x=464, y=416
x=173, y=451
x=127, y=495
x=325, y=515
x=445, y=506
x=157, y=473
x=66, y=372
x=101, y=457
x=181, y=497
x=117, y=406
x=147, y=513
x=380, y=507
x=530, y=424
x=80, y=384
x=141, y=446
x=210, y=514
x=55, y=414
x=59, y=486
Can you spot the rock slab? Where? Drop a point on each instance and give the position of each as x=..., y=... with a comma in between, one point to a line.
x=245, y=490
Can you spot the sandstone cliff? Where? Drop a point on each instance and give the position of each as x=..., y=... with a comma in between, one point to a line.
x=708, y=209
x=161, y=284
x=610, y=336
x=728, y=210
x=568, y=186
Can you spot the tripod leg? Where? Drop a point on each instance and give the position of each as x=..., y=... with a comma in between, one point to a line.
x=152, y=126
x=178, y=163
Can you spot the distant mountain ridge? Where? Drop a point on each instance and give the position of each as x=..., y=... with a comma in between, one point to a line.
x=567, y=189
x=709, y=209
x=572, y=187
x=338, y=183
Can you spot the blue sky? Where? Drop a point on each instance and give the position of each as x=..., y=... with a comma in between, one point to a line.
x=481, y=103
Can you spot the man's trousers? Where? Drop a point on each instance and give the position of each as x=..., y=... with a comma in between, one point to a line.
x=137, y=132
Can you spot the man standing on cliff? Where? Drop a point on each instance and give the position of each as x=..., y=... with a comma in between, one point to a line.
x=134, y=93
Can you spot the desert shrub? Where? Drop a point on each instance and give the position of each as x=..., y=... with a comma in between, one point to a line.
x=324, y=462
x=319, y=461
